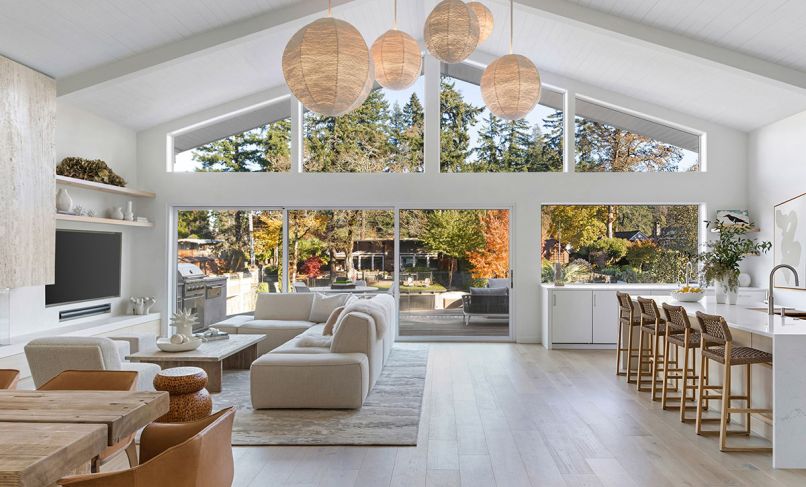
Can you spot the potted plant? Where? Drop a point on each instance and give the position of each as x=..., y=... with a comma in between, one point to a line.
x=720, y=263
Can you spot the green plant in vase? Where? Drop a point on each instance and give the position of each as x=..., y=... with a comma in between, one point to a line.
x=720, y=262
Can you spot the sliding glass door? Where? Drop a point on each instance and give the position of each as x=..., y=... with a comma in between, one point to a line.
x=454, y=273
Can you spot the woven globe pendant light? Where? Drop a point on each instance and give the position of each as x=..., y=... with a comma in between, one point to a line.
x=451, y=31
x=485, y=18
x=327, y=66
x=397, y=57
x=510, y=86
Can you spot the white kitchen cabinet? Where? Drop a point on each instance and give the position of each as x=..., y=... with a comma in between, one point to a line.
x=605, y=317
x=571, y=317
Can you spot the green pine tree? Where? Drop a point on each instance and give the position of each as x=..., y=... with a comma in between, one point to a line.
x=489, y=153
x=457, y=118
x=515, y=141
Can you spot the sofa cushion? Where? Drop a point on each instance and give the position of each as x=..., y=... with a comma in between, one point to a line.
x=331, y=321
x=294, y=346
x=311, y=380
x=498, y=282
x=233, y=323
x=284, y=306
x=323, y=305
x=277, y=332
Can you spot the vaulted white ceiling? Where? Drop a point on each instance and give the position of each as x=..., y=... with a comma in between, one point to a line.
x=145, y=62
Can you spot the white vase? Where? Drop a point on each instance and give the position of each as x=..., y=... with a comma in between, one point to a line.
x=733, y=296
x=64, y=203
x=116, y=213
x=129, y=212
x=721, y=290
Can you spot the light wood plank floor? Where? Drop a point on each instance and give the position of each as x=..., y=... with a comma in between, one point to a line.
x=518, y=415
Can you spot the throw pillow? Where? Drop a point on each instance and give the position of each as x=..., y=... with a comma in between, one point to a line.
x=323, y=305
x=331, y=320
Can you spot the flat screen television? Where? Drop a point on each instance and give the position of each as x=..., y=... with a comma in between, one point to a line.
x=87, y=267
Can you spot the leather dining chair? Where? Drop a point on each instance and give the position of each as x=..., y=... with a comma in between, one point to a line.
x=9, y=378
x=99, y=380
x=192, y=454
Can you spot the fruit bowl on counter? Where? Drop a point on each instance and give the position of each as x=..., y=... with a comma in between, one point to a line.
x=688, y=294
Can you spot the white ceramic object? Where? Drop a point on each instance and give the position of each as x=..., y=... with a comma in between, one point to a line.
x=745, y=280
x=116, y=213
x=165, y=345
x=687, y=297
x=129, y=215
x=64, y=202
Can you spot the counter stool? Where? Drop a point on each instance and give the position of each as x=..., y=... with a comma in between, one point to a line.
x=654, y=328
x=717, y=345
x=627, y=317
x=686, y=373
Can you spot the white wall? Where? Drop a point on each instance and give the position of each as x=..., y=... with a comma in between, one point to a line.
x=723, y=186
x=80, y=133
x=776, y=172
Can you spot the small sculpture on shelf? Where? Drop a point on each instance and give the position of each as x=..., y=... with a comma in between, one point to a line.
x=116, y=213
x=89, y=170
x=142, y=306
x=64, y=203
x=129, y=214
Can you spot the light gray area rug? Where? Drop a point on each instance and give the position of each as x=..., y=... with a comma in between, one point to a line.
x=390, y=416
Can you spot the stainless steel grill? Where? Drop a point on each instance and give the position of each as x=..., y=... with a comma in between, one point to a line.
x=204, y=295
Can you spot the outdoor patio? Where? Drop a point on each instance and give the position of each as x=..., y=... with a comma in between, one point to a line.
x=450, y=323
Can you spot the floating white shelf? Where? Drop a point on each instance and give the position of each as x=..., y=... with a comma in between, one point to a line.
x=106, y=188
x=105, y=221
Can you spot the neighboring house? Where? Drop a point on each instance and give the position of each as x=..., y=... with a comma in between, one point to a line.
x=632, y=236
x=550, y=252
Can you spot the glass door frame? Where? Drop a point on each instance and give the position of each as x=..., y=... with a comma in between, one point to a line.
x=511, y=336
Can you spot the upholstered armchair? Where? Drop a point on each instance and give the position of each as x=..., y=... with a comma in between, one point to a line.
x=193, y=454
x=9, y=378
x=50, y=356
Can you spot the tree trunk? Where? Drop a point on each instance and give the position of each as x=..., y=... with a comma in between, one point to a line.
x=611, y=220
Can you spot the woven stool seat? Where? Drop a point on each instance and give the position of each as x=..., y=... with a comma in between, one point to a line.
x=680, y=339
x=181, y=380
x=635, y=322
x=675, y=330
x=189, y=400
x=739, y=355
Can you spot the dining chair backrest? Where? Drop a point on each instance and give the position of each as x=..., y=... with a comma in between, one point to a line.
x=626, y=308
x=9, y=378
x=714, y=328
x=92, y=380
x=649, y=310
x=677, y=316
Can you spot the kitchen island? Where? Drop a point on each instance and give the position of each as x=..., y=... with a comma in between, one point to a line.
x=786, y=338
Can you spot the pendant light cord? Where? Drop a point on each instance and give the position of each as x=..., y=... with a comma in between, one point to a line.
x=511, y=22
x=395, y=15
x=330, y=8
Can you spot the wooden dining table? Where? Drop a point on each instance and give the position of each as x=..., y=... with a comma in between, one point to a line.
x=45, y=435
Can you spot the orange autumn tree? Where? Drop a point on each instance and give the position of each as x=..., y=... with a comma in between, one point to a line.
x=492, y=260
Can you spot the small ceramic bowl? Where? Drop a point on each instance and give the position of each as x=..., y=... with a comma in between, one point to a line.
x=687, y=297
x=165, y=345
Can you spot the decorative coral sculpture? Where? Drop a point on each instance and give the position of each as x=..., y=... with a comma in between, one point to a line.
x=183, y=320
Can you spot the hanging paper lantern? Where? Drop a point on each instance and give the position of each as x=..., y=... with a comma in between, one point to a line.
x=397, y=59
x=485, y=18
x=327, y=66
x=510, y=86
x=451, y=31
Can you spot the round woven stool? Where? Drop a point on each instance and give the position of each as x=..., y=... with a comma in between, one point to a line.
x=189, y=398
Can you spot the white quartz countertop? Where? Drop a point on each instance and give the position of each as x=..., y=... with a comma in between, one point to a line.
x=741, y=317
x=620, y=286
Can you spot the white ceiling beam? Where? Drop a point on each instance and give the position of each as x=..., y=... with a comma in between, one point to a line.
x=216, y=38
x=581, y=16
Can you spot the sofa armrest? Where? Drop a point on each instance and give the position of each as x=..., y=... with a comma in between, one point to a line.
x=356, y=333
x=138, y=342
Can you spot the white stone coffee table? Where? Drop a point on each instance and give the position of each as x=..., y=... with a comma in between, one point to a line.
x=236, y=352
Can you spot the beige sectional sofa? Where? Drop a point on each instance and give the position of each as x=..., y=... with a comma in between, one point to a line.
x=309, y=369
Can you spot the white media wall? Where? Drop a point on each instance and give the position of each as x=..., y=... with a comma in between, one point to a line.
x=82, y=134
x=724, y=185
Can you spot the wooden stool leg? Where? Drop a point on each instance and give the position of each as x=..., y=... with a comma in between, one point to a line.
x=656, y=357
x=701, y=392
x=748, y=387
x=724, y=419
x=629, y=354
x=684, y=393
x=618, y=348
x=640, y=359
x=665, y=389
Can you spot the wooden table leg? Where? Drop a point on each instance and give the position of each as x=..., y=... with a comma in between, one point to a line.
x=243, y=359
